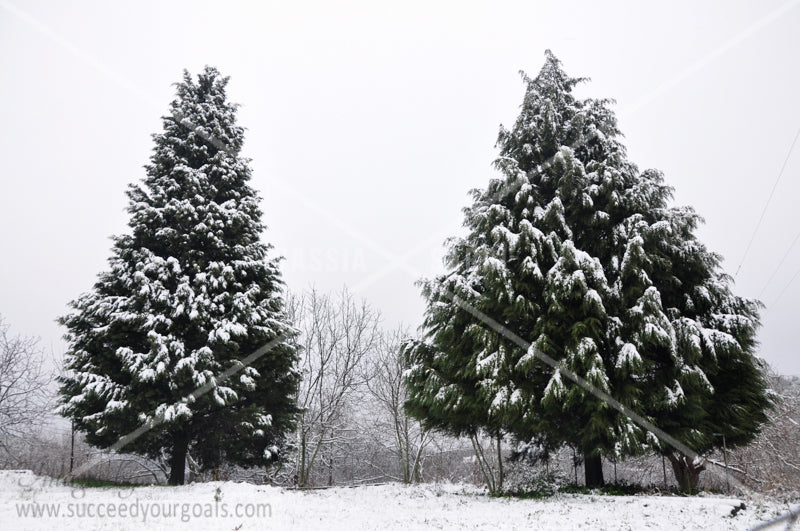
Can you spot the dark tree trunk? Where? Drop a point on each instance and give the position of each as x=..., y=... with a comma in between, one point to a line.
x=177, y=462
x=593, y=469
x=302, y=479
x=687, y=473
x=499, y=464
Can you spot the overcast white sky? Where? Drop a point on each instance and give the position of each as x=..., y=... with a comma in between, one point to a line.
x=368, y=122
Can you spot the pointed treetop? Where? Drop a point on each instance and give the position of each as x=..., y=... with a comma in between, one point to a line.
x=552, y=75
x=210, y=85
x=545, y=121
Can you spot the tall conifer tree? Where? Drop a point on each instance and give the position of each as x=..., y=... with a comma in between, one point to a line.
x=577, y=251
x=189, y=294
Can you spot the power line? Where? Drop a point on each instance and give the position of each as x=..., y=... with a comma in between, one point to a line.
x=766, y=205
x=786, y=287
x=779, y=265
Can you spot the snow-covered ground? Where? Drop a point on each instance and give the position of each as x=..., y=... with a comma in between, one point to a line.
x=226, y=505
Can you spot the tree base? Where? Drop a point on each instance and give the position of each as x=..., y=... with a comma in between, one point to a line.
x=593, y=471
x=687, y=472
x=177, y=463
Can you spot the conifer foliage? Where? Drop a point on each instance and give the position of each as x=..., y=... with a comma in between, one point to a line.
x=577, y=251
x=190, y=292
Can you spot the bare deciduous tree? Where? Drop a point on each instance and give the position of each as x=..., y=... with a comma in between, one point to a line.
x=336, y=334
x=384, y=381
x=24, y=397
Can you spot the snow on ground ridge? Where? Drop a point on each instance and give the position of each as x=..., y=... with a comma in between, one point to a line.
x=394, y=506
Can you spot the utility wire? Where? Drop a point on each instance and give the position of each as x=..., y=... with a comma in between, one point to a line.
x=766, y=205
x=786, y=287
x=764, y=289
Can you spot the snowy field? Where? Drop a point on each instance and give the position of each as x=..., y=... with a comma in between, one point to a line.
x=226, y=505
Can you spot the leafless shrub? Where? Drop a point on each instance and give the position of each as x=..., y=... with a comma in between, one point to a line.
x=24, y=395
x=771, y=464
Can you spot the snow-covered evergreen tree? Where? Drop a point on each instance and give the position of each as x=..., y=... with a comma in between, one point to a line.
x=576, y=251
x=190, y=293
